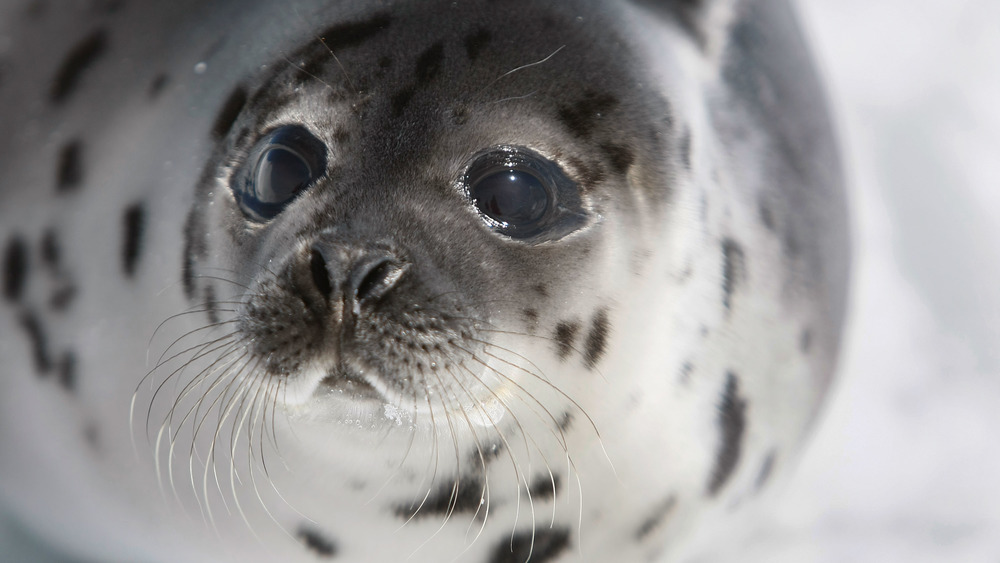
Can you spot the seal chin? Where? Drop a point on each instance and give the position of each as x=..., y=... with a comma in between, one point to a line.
x=360, y=394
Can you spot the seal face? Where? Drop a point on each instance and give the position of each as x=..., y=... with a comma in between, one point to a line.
x=504, y=283
x=357, y=211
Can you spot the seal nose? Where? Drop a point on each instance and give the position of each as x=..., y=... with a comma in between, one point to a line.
x=375, y=277
x=362, y=276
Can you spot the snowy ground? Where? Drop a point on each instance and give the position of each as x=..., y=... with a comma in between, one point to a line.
x=906, y=463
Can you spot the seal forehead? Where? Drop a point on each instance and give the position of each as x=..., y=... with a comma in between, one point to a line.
x=531, y=73
x=402, y=123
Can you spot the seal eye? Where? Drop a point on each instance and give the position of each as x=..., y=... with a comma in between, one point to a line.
x=523, y=195
x=513, y=198
x=282, y=165
x=281, y=173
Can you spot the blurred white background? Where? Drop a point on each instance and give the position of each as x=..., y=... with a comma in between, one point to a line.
x=906, y=461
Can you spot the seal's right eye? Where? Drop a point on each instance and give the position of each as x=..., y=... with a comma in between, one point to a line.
x=281, y=165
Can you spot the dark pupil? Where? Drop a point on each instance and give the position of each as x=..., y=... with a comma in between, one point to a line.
x=281, y=173
x=511, y=196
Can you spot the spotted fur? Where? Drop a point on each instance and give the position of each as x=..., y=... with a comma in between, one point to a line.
x=377, y=372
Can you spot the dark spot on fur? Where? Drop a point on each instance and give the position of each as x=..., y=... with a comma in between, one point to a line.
x=597, y=338
x=133, y=227
x=341, y=136
x=656, y=517
x=564, y=335
x=15, y=268
x=684, y=148
x=474, y=42
x=157, y=85
x=541, y=289
x=242, y=138
x=211, y=305
x=400, y=99
x=465, y=495
x=39, y=344
x=63, y=297
x=791, y=245
x=590, y=174
x=805, y=341
x=69, y=174
x=50, y=251
x=530, y=319
x=565, y=421
x=194, y=247
x=544, y=487
x=766, y=469
x=66, y=371
x=489, y=452
x=429, y=64
x=92, y=436
x=686, y=370
x=620, y=156
x=346, y=35
x=582, y=117
x=231, y=109
x=732, y=423
x=766, y=215
x=732, y=270
x=315, y=541
x=540, y=545
x=79, y=58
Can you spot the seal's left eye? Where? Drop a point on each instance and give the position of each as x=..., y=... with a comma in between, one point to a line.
x=522, y=195
x=515, y=198
x=282, y=165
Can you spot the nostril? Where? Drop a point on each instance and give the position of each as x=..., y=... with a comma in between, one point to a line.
x=320, y=274
x=376, y=279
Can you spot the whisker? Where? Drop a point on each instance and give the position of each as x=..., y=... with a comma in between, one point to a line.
x=347, y=77
x=435, y=458
x=520, y=68
x=561, y=438
x=202, y=351
x=149, y=344
x=211, y=459
x=456, y=486
x=234, y=476
x=484, y=499
x=306, y=72
x=196, y=431
x=258, y=407
x=576, y=405
x=227, y=346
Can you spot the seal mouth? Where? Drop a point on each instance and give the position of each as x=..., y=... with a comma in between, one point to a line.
x=350, y=384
